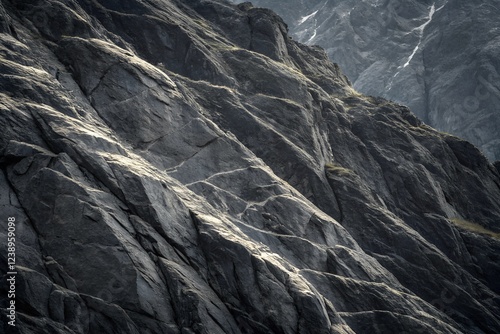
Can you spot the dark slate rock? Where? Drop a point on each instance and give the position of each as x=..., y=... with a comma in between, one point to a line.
x=186, y=167
x=445, y=69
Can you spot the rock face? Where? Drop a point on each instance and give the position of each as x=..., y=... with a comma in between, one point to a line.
x=186, y=167
x=440, y=57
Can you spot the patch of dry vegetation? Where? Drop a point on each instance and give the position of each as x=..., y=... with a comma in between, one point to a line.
x=338, y=170
x=474, y=227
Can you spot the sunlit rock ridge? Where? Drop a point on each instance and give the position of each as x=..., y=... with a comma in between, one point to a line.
x=186, y=167
x=440, y=58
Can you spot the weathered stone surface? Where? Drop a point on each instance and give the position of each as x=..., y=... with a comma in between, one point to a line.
x=186, y=167
x=438, y=57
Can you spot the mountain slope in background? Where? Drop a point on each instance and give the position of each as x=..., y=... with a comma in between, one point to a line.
x=440, y=58
x=186, y=167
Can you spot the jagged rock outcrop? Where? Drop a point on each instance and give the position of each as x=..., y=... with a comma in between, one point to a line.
x=186, y=167
x=440, y=58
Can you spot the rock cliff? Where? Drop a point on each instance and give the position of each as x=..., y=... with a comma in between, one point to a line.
x=440, y=57
x=186, y=167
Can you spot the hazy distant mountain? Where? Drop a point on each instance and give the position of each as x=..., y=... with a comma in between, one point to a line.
x=441, y=58
x=185, y=167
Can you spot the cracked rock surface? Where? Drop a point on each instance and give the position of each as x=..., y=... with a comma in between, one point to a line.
x=186, y=167
x=439, y=57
